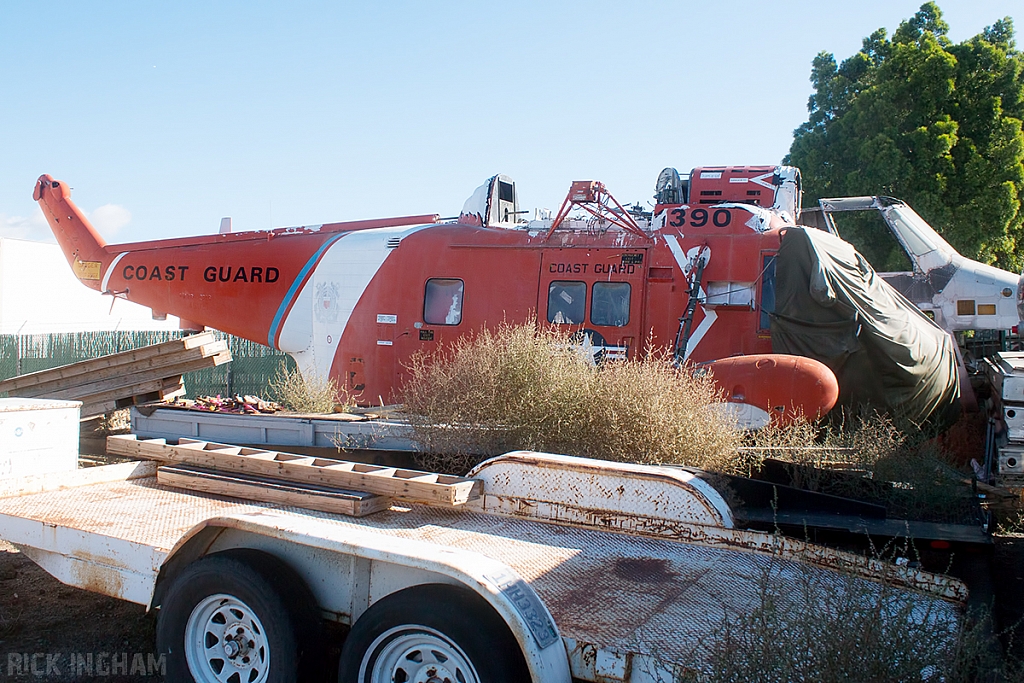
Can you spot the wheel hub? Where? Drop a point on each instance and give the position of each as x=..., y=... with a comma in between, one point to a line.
x=417, y=654
x=225, y=642
x=431, y=673
x=239, y=641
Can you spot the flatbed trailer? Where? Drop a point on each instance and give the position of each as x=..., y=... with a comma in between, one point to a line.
x=564, y=569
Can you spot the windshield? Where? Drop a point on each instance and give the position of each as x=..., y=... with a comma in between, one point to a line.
x=870, y=234
x=919, y=237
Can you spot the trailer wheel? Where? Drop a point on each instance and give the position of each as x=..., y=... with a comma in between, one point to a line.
x=240, y=616
x=433, y=632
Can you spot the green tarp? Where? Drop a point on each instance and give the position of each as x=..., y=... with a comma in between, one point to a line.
x=831, y=306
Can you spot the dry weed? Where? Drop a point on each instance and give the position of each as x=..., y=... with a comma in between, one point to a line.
x=519, y=388
x=871, y=457
x=115, y=422
x=861, y=631
x=294, y=391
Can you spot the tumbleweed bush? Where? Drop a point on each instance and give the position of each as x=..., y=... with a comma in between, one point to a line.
x=872, y=457
x=851, y=630
x=294, y=391
x=517, y=387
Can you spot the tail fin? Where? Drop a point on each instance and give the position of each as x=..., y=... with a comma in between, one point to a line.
x=84, y=249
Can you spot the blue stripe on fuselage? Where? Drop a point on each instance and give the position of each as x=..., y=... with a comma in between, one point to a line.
x=275, y=325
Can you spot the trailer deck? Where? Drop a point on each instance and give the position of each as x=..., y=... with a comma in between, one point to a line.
x=618, y=599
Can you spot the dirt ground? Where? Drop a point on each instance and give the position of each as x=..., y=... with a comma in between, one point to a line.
x=52, y=632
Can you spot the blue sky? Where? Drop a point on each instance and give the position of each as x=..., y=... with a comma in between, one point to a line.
x=164, y=117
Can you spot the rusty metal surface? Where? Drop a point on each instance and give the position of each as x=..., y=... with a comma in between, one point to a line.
x=138, y=511
x=625, y=489
x=617, y=591
x=626, y=593
x=735, y=539
x=662, y=502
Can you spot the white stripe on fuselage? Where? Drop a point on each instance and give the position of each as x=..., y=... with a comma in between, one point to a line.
x=110, y=270
x=685, y=262
x=349, y=264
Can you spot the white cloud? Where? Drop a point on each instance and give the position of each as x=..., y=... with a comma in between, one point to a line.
x=32, y=227
x=110, y=218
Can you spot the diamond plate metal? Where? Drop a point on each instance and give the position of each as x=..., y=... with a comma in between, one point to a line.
x=616, y=591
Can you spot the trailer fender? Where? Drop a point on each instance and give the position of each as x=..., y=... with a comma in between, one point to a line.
x=376, y=566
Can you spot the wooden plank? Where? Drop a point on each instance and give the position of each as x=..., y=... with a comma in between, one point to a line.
x=144, y=366
x=409, y=485
x=128, y=378
x=352, y=503
x=346, y=465
x=383, y=472
x=115, y=359
x=149, y=387
x=92, y=407
x=172, y=391
x=163, y=366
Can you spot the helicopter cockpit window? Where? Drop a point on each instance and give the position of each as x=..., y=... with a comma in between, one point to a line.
x=916, y=238
x=869, y=234
x=610, y=304
x=442, y=302
x=567, y=302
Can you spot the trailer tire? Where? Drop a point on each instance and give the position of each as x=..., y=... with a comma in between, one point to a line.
x=449, y=629
x=240, y=611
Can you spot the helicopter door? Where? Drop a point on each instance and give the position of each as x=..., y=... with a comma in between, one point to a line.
x=598, y=293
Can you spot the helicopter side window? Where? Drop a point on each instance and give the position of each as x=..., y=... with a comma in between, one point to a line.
x=767, y=292
x=442, y=302
x=567, y=302
x=610, y=304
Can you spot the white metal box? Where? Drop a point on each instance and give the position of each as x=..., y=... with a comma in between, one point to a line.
x=1006, y=374
x=1013, y=416
x=1011, y=459
x=38, y=436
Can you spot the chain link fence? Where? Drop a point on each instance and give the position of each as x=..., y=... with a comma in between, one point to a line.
x=250, y=372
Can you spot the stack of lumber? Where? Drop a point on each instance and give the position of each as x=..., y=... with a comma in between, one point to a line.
x=150, y=373
x=325, y=484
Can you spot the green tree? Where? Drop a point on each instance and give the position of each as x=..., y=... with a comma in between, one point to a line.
x=934, y=123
